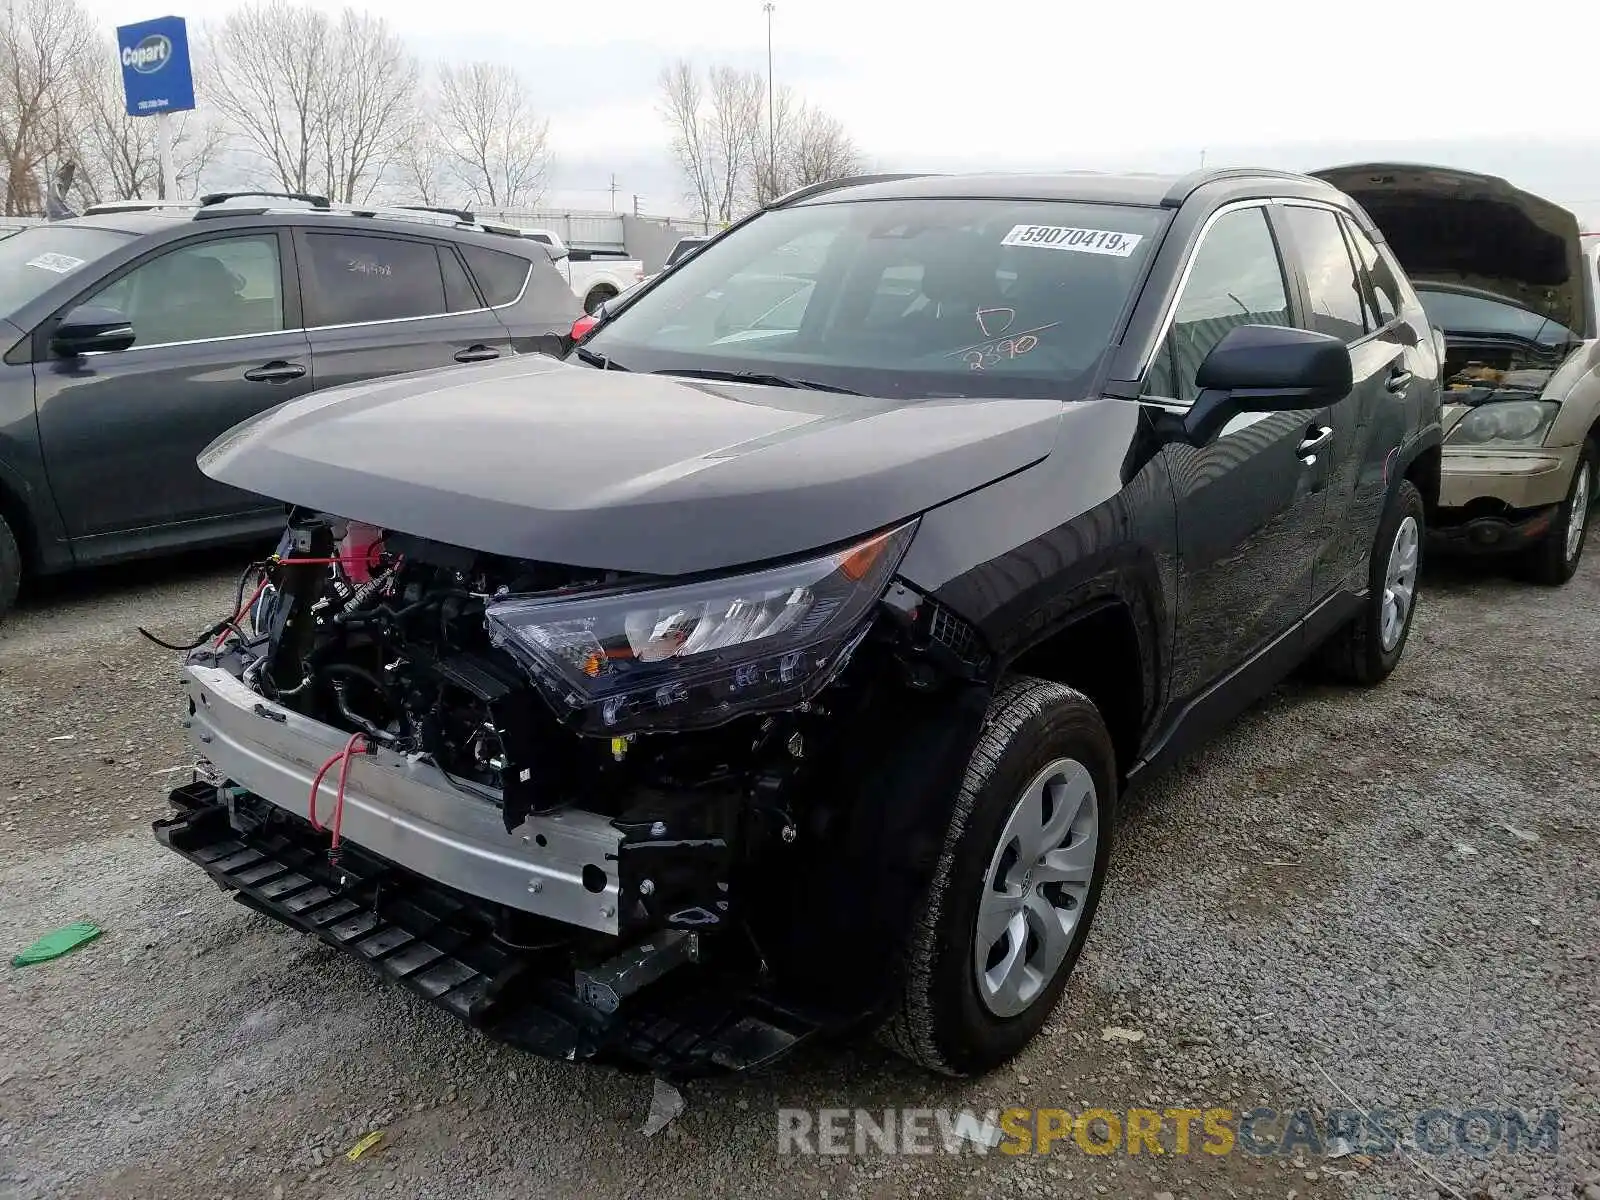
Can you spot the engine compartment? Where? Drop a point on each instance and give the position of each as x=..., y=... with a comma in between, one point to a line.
x=1475, y=372
x=382, y=635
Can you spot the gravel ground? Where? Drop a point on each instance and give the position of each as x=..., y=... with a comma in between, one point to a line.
x=1380, y=899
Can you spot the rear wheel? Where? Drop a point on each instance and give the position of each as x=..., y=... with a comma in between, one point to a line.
x=1367, y=649
x=10, y=567
x=596, y=298
x=1016, y=885
x=1555, y=559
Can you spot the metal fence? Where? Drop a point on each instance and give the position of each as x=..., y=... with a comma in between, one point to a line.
x=587, y=230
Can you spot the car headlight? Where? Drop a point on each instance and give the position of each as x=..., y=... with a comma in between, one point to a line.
x=1506, y=423
x=697, y=654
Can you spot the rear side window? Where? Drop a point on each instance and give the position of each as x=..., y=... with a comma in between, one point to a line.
x=500, y=276
x=1336, y=298
x=1385, y=287
x=1236, y=279
x=356, y=279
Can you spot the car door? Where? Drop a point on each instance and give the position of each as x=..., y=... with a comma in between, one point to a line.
x=383, y=304
x=1344, y=298
x=217, y=339
x=1249, y=500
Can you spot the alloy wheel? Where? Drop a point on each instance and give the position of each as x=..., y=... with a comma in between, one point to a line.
x=1036, y=886
x=1400, y=583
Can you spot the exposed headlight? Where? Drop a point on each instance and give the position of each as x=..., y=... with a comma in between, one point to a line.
x=698, y=654
x=1506, y=423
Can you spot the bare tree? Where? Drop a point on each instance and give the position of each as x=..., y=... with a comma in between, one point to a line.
x=369, y=106
x=494, y=145
x=816, y=148
x=681, y=104
x=320, y=104
x=735, y=154
x=117, y=154
x=420, y=172
x=44, y=46
x=737, y=99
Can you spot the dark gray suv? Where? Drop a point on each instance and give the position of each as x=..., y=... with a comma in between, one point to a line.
x=134, y=335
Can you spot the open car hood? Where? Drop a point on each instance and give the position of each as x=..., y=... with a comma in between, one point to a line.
x=535, y=459
x=1476, y=231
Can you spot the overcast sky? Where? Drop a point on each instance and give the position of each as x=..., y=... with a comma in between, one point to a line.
x=1141, y=84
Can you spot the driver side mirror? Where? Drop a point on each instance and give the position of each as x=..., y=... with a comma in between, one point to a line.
x=90, y=328
x=1266, y=368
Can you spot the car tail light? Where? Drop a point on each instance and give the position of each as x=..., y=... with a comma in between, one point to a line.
x=583, y=325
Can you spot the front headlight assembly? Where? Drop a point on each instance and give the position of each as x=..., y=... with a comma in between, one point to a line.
x=1505, y=423
x=695, y=655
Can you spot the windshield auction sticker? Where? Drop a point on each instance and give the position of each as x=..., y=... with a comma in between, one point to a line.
x=1084, y=241
x=61, y=264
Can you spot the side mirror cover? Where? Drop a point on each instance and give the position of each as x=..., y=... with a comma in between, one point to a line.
x=91, y=328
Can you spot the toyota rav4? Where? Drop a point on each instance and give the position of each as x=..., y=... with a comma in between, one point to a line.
x=774, y=665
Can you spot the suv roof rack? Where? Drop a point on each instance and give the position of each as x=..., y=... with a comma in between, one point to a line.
x=1185, y=185
x=463, y=215
x=216, y=198
x=121, y=206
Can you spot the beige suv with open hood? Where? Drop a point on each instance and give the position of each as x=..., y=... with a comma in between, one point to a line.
x=1507, y=278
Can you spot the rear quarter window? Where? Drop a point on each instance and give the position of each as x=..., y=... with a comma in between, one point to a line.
x=501, y=277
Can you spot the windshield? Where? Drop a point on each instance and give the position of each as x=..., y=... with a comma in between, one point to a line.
x=36, y=259
x=933, y=297
x=1463, y=313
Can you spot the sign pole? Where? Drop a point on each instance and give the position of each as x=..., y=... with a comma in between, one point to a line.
x=169, y=171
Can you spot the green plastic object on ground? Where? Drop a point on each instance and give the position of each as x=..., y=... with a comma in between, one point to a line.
x=54, y=945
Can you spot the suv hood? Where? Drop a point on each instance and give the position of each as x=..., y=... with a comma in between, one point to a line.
x=1477, y=231
x=537, y=459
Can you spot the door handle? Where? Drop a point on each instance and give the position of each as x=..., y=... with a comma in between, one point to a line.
x=1398, y=380
x=1316, y=438
x=275, y=372
x=474, y=354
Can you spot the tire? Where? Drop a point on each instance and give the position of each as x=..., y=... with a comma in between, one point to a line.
x=1358, y=653
x=1554, y=560
x=597, y=297
x=10, y=568
x=946, y=1020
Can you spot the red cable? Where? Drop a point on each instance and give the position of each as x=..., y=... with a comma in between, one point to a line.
x=316, y=786
x=338, y=801
x=233, y=621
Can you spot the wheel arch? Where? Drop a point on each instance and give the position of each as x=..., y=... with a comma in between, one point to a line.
x=1105, y=650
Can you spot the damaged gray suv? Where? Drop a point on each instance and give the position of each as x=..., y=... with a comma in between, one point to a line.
x=773, y=666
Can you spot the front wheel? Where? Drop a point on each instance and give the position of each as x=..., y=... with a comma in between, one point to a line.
x=1016, y=885
x=1555, y=559
x=1367, y=649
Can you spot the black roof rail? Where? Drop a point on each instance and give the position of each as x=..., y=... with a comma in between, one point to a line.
x=121, y=206
x=304, y=197
x=460, y=214
x=844, y=181
x=1185, y=185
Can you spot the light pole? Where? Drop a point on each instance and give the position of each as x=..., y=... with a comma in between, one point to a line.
x=772, y=129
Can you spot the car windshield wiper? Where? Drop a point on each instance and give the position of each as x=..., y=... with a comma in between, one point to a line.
x=809, y=385
x=597, y=360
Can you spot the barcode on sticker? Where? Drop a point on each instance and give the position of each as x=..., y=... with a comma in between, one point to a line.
x=1063, y=237
x=61, y=264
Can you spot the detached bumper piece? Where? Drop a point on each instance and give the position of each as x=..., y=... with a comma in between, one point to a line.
x=442, y=945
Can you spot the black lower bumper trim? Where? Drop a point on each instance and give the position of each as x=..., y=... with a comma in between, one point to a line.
x=1492, y=534
x=441, y=945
